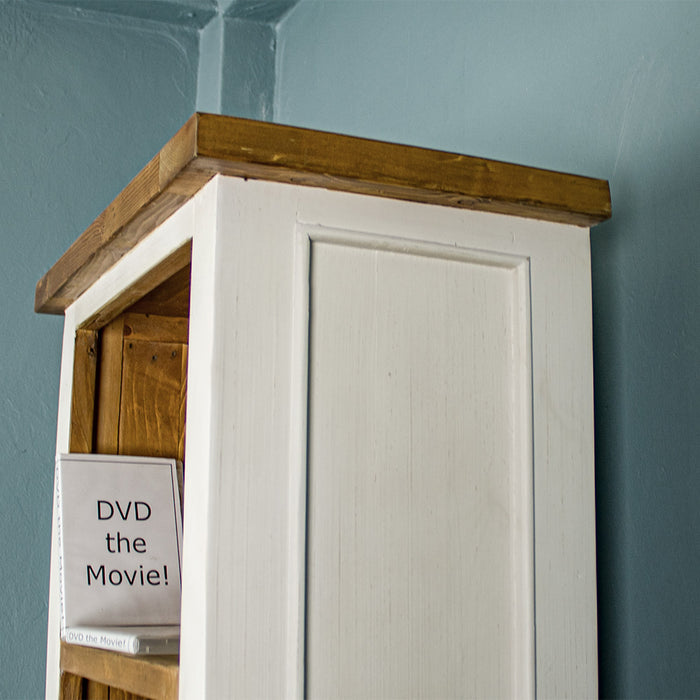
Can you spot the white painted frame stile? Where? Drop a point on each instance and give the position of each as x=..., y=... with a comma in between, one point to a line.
x=240, y=616
x=243, y=618
x=244, y=553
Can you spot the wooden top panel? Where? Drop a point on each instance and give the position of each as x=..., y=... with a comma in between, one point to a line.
x=209, y=144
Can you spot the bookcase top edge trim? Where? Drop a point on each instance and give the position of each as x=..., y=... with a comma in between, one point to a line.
x=210, y=144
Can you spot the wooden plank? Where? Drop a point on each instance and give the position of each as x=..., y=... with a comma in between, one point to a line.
x=171, y=298
x=70, y=687
x=83, y=396
x=167, y=329
x=210, y=144
x=289, y=154
x=94, y=690
x=148, y=676
x=169, y=279
x=110, y=387
x=119, y=694
x=152, y=398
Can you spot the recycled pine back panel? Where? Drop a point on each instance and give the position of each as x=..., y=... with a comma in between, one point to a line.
x=142, y=386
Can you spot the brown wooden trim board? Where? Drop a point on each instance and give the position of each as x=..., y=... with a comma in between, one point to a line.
x=210, y=144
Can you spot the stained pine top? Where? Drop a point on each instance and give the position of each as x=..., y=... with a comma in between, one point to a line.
x=210, y=144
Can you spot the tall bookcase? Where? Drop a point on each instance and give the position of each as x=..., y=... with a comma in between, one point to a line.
x=375, y=361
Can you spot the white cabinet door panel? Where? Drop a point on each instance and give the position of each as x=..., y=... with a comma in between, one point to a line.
x=419, y=563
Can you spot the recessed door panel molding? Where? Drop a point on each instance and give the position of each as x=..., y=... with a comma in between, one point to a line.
x=420, y=577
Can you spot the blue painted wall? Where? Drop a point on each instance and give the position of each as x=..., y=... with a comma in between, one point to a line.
x=84, y=98
x=607, y=89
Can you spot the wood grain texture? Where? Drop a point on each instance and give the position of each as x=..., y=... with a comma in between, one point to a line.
x=163, y=289
x=142, y=386
x=83, y=399
x=152, y=398
x=110, y=387
x=171, y=298
x=155, y=328
x=159, y=422
x=210, y=144
x=119, y=694
x=289, y=154
x=145, y=676
x=93, y=690
x=70, y=687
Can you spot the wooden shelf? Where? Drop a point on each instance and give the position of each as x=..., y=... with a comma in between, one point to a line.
x=146, y=676
x=209, y=144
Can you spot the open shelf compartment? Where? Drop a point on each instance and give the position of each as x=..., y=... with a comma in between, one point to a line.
x=129, y=398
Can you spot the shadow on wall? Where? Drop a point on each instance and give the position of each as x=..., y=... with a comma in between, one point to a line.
x=646, y=284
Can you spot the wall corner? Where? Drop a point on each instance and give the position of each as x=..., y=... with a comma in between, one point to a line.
x=238, y=59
